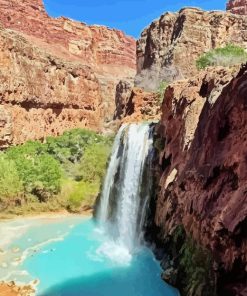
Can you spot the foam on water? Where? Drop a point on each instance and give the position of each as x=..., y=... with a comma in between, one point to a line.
x=122, y=209
x=77, y=266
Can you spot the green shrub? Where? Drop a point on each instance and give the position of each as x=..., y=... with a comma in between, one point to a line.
x=70, y=146
x=79, y=194
x=93, y=163
x=11, y=187
x=39, y=172
x=161, y=91
x=65, y=172
x=228, y=56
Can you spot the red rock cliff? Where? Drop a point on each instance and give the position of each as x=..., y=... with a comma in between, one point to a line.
x=237, y=6
x=98, y=46
x=168, y=48
x=57, y=72
x=204, y=170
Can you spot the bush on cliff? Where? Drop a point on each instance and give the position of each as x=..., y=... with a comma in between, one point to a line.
x=228, y=56
x=64, y=172
x=161, y=90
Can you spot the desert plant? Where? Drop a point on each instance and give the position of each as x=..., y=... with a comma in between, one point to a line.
x=228, y=56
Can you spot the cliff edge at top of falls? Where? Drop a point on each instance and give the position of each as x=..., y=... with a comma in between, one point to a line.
x=57, y=74
x=168, y=48
x=203, y=172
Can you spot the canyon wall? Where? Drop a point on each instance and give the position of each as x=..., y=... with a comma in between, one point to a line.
x=203, y=172
x=57, y=74
x=237, y=7
x=167, y=49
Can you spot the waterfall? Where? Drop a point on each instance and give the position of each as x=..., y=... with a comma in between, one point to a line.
x=126, y=190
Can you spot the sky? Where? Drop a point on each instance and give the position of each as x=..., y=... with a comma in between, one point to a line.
x=130, y=16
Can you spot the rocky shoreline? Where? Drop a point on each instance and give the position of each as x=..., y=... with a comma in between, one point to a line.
x=12, y=289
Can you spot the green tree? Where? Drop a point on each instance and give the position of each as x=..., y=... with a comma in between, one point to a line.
x=11, y=187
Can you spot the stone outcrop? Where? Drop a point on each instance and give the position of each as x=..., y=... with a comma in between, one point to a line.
x=135, y=105
x=168, y=48
x=57, y=74
x=142, y=106
x=203, y=171
x=237, y=7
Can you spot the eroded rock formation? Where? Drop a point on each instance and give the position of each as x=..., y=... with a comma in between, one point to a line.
x=136, y=105
x=237, y=6
x=203, y=140
x=57, y=74
x=169, y=47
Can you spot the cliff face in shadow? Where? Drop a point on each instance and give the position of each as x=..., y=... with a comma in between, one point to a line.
x=203, y=171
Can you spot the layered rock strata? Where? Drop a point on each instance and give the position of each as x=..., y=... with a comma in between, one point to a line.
x=57, y=74
x=203, y=172
x=168, y=48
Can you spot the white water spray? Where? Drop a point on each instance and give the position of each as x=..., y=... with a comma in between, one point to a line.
x=123, y=203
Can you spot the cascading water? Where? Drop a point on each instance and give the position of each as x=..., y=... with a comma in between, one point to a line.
x=126, y=191
x=72, y=258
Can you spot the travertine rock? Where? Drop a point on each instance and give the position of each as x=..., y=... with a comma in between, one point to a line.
x=237, y=6
x=204, y=168
x=140, y=106
x=5, y=127
x=169, y=47
x=42, y=95
x=57, y=74
x=11, y=289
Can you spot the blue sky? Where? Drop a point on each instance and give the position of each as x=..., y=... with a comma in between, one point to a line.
x=131, y=16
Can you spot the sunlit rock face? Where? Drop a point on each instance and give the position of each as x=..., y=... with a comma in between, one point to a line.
x=204, y=169
x=168, y=48
x=57, y=74
x=237, y=6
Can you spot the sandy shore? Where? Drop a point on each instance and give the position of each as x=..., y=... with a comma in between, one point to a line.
x=48, y=215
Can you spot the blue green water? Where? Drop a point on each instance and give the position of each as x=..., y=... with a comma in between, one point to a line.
x=65, y=256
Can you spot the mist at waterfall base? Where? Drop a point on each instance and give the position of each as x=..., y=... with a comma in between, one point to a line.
x=81, y=257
